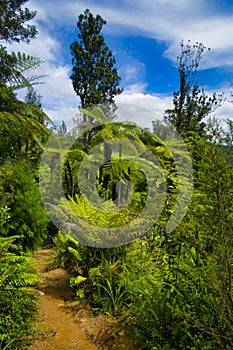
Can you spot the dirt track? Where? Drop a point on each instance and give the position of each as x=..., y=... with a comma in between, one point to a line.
x=54, y=290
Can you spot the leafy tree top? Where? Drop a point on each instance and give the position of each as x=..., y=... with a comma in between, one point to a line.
x=94, y=78
x=191, y=104
x=12, y=21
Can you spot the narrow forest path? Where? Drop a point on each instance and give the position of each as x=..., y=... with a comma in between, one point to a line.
x=54, y=290
x=70, y=324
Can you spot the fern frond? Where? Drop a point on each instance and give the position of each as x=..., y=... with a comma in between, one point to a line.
x=18, y=64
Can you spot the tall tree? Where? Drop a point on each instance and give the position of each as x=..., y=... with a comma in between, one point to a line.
x=191, y=104
x=13, y=19
x=94, y=78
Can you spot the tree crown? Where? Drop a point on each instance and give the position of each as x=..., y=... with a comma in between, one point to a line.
x=12, y=21
x=94, y=78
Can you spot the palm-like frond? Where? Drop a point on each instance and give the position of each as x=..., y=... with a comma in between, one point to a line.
x=24, y=63
x=14, y=68
x=13, y=121
x=97, y=114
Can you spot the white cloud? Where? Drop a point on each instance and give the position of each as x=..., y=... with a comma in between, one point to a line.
x=58, y=87
x=62, y=113
x=43, y=46
x=132, y=71
x=139, y=87
x=215, y=33
x=142, y=108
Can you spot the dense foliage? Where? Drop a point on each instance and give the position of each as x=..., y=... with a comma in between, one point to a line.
x=191, y=103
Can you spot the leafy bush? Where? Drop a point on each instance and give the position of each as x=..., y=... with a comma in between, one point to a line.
x=17, y=297
x=65, y=253
x=28, y=216
x=108, y=283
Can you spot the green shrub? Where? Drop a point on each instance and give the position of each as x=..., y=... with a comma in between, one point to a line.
x=65, y=253
x=28, y=217
x=17, y=297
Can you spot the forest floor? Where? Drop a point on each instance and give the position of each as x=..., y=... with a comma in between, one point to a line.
x=65, y=323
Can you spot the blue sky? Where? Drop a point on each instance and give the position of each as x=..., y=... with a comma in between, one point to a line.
x=144, y=36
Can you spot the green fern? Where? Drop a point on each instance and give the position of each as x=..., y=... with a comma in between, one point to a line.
x=17, y=296
x=65, y=253
x=20, y=63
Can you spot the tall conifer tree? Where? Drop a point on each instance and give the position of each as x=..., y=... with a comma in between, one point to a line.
x=94, y=77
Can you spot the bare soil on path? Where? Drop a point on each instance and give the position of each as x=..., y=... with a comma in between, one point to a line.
x=68, y=324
